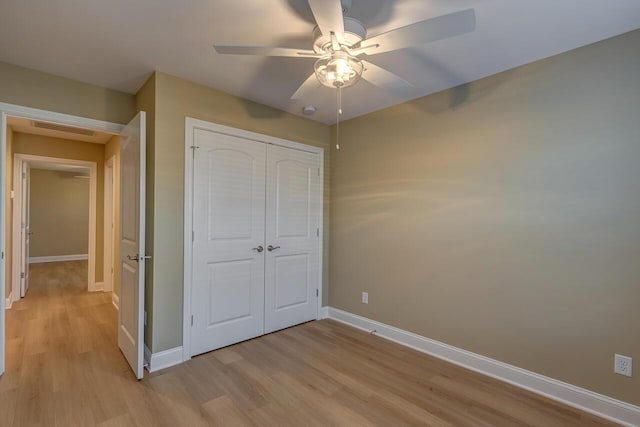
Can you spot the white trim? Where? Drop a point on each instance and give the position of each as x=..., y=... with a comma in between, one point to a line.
x=58, y=258
x=8, y=302
x=193, y=124
x=162, y=359
x=108, y=234
x=115, y=300
x=187, y=248
x=97, y=287
x=19, y=159
x=190, y=126
x=320, y=239
x=577, y=397
x=324, y=313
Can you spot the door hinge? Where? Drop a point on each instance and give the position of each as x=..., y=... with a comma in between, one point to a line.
x=318, y=232
x=145, y=318
x=192, y=320
x=193, y=236
x=2, y=255
x=22, y=275
x=24, y=175
x=317, y=293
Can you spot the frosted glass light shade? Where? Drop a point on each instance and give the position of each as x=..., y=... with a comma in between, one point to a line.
x=339, y=70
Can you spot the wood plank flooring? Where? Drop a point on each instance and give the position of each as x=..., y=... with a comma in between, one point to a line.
x=64, y=369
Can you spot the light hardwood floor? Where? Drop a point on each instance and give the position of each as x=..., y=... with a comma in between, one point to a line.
x=64, y=368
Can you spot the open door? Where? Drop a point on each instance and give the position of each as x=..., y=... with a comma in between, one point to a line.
x=132, y=250
x=3, y=230
x=25, y=228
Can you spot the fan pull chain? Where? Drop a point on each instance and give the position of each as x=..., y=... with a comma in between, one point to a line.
x=338, y=114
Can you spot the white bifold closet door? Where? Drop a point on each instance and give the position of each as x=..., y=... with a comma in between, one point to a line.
x=293, y=220
x=228, y=256
x=256, y=212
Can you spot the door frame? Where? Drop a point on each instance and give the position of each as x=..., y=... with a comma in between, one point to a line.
x=109, y=230
x=41, y=115
x=191, y=125
x=18, y=160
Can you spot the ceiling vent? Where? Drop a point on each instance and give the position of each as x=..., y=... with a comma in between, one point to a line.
x=62, y=128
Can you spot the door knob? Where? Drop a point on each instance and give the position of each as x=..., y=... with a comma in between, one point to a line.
x=272, y=248
x=259, y=249
x=132, y=257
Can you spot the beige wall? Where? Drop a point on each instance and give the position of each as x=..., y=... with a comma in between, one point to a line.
x=8, y=210
x=59, y=214
x=112, y=149
x=503, y=216
x=75, y=150
x=174, y=100
x=30, y=88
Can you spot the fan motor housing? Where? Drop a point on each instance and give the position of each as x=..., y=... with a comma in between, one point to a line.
x=354, y=33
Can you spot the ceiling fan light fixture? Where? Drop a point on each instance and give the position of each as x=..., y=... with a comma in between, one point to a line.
x=339, y=70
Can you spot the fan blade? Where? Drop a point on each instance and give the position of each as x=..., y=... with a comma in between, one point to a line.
x=427, y=31
x=265, y=51
x=380, y=77
x=328, y=15
x=307, y=87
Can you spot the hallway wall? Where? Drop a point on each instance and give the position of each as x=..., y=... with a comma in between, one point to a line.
x=59, y=214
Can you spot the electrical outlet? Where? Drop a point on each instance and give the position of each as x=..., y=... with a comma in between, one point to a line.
x=623, y=365
x=365, y=297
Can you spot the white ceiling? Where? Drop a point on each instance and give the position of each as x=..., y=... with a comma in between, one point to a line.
x=117, y=43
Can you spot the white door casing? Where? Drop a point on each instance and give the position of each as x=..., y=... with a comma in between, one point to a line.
x=293, y=210
x=3, y=232
x=25, y=228
x=132, y=243
x=228, y=243
x=109, y=232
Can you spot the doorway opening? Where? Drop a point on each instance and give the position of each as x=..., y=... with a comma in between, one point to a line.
x=53, y=219
x=33, y=145
x=60, y=216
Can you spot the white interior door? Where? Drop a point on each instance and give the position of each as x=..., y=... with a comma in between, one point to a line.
x=25, y=228
x=132, y=250
x=3, y=230
x=293, y=209
x=227, y=296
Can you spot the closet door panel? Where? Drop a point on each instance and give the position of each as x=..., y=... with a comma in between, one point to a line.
x=229, y=224
x=293, y=209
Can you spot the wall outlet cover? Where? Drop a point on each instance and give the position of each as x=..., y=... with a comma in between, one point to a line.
x=623, y=365
x=365, y=297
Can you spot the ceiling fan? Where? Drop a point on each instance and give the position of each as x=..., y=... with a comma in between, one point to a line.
x=338, y=41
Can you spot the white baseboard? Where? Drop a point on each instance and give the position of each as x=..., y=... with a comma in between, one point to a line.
x=58, y=258
x=115, y=300
x=577, y=397
x=96, y=287
x=324, y=312
x=162, y=359
x=8, y=302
